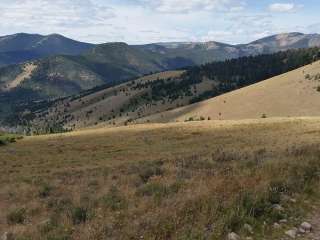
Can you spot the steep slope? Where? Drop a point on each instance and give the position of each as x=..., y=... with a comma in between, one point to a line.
x=292, y=94
x=27, y=70
x=121, y=103
x=63, y=75
x=23, y=47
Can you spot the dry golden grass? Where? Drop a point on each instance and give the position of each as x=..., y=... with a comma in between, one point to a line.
x=196, y=180
x=292, y=94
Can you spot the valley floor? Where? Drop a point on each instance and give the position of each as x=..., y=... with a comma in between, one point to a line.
x=192, y=180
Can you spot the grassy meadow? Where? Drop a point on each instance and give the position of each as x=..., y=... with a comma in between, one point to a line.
x=195, y=180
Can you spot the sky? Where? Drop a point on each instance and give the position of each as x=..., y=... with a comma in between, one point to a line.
x=146, y=21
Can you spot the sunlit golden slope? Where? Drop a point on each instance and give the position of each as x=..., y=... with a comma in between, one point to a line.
x=293, y=94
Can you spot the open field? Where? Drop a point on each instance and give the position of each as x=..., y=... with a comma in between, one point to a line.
x=293, y=94
x=195, y=180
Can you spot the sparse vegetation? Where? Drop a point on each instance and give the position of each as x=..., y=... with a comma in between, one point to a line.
x=90, y=189
x=79, y=215
x=16, y=216
x=156, y=93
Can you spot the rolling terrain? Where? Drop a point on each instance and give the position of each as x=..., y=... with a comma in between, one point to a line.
x=79, y=66
x=224, y=150
x=115, y=105
x=293, y=94
x=195, y=180
x=136, y=100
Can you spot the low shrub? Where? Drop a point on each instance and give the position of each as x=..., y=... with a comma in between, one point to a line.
x=114, y=200
x=17, y=216
x=146, y=170
x=79, y=215
x=2, y=142
x=44, y=191
x=158, y=190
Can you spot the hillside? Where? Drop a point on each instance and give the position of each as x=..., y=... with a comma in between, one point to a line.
x=21, y=47
x=111, y=105
x=62, y=75
x=292, y=94
x=110, y=63
x=196, y=180
x=127, y=103
x=116, y=62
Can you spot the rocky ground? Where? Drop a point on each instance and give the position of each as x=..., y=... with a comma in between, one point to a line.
x=307, y=230
x=315, y=222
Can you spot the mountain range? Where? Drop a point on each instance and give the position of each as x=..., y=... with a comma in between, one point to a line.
x=62, y=66
x=37, y=67
x=21, y=47
x=140, y=99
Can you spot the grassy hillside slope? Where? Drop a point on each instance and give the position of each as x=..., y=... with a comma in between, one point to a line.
x=198, y=180
x=113, y=105
x=63, y=75
x=292, y=94
x=157, y=93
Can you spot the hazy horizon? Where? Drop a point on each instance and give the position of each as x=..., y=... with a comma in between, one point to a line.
x=146, y=43
x=150, y=21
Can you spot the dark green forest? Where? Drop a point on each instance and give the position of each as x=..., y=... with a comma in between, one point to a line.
x=234, y=73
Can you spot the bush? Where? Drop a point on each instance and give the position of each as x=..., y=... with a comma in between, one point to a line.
x=114, y=200
x=276, y=188
x=11, y=140
x=17, y=216
x=45, y=190
x=149, y=169
x=79, y=215
x=308, y=76
x=158, y=190
x=2, y=142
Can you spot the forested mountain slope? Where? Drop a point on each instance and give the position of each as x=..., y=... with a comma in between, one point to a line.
x=160, y=94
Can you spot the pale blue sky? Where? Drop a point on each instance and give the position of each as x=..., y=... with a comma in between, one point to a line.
x=145, y=21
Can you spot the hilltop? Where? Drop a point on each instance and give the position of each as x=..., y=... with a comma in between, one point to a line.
x=293, y=94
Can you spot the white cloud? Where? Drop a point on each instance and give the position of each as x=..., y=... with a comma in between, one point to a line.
x=284, y=7
x=51, y=15
x=145, y=21
x=185, y=6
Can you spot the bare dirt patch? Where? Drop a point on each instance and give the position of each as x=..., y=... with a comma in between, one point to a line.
x=28, y=68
